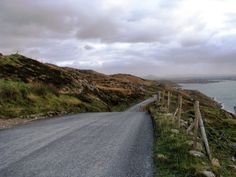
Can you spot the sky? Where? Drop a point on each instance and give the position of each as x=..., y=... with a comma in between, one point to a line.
x=151, y=37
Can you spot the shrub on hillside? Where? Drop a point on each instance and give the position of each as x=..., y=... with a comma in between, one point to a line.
x=18, y=91
x=9, y=91
x=42, y=90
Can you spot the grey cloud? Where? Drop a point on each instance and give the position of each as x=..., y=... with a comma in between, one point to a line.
x=28, y=24
x=193, y=41
x=27, y=17
x=138, y=40
x=88, y=21
x=88, y=47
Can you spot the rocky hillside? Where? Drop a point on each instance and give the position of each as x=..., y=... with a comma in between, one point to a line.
x=30, y=87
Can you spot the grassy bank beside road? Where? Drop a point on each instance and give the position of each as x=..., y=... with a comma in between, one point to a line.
x=173, y=155
x=18, y=99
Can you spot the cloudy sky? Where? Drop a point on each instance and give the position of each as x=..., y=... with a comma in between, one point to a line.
x=157, y=37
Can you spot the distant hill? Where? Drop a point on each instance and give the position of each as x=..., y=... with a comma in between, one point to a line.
x=89, y=90
x=191, y=79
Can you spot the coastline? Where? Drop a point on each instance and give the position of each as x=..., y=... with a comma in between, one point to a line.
x=220, y=103
x=199, y=81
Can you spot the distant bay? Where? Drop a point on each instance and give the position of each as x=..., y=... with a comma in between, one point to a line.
x=224, y=92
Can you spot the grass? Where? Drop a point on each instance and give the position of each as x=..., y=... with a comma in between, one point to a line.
x=21, y=99
x=31, y=87
x=220, y=128
x=171, y=150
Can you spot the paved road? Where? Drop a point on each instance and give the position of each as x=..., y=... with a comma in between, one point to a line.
x=83, y=145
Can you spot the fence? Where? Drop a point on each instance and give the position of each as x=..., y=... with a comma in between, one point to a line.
x=197, y=126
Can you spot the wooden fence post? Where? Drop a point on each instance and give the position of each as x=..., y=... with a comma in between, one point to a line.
x=196, y=124
x=168, y=102
x=159, y=96
x=180, y=110
x=203, y=133
x=163, y=98
x=176, y=111
x=204, y=138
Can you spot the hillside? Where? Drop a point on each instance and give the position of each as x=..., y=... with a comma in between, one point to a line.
x=28, y=87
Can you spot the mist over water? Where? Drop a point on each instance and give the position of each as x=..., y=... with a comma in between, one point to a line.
x=224, y=92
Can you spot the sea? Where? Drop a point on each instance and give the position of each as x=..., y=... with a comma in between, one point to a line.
x=223, y=92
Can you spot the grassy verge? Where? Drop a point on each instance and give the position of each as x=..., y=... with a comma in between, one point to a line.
x=171, y=149
x=172, y=144
x=18, y=99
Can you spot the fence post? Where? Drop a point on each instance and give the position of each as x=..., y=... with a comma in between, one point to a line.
x=163, y=98
x=176, y=111
x=196, y=124
x=180, y=110
x=168, y=102
x=159, y=96
x=203, y=133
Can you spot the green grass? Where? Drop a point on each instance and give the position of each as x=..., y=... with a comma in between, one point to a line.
x=175, y=147
x=21, y=99
x=220, y=128
x=31, y=87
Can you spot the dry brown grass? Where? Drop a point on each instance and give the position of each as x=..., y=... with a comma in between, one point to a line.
x=115, y=89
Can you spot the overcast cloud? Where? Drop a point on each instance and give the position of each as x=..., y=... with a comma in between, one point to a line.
x=157, y=37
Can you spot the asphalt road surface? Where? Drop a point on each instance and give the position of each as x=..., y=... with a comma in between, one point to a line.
x=82, y=145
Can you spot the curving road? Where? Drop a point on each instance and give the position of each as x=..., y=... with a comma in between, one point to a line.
x=83, y=145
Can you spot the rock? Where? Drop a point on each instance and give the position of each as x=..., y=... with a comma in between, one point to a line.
x=1, y=54
x=190, y=133
x=233, y=159
x=183, y=123
x=207, y=173
x=196, y=153
x=215, y=162
x=190, y=120
x=175, y=131
x=161, y=157
x=199, y=145
x=233, y=167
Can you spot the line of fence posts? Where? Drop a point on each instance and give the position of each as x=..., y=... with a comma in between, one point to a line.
x=178, y=112
x=162, y=97
x=195, y=126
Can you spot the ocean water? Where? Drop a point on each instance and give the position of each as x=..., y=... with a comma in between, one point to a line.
x=224, y=92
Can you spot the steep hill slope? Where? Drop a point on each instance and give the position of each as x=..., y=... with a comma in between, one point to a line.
x=30, y=87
